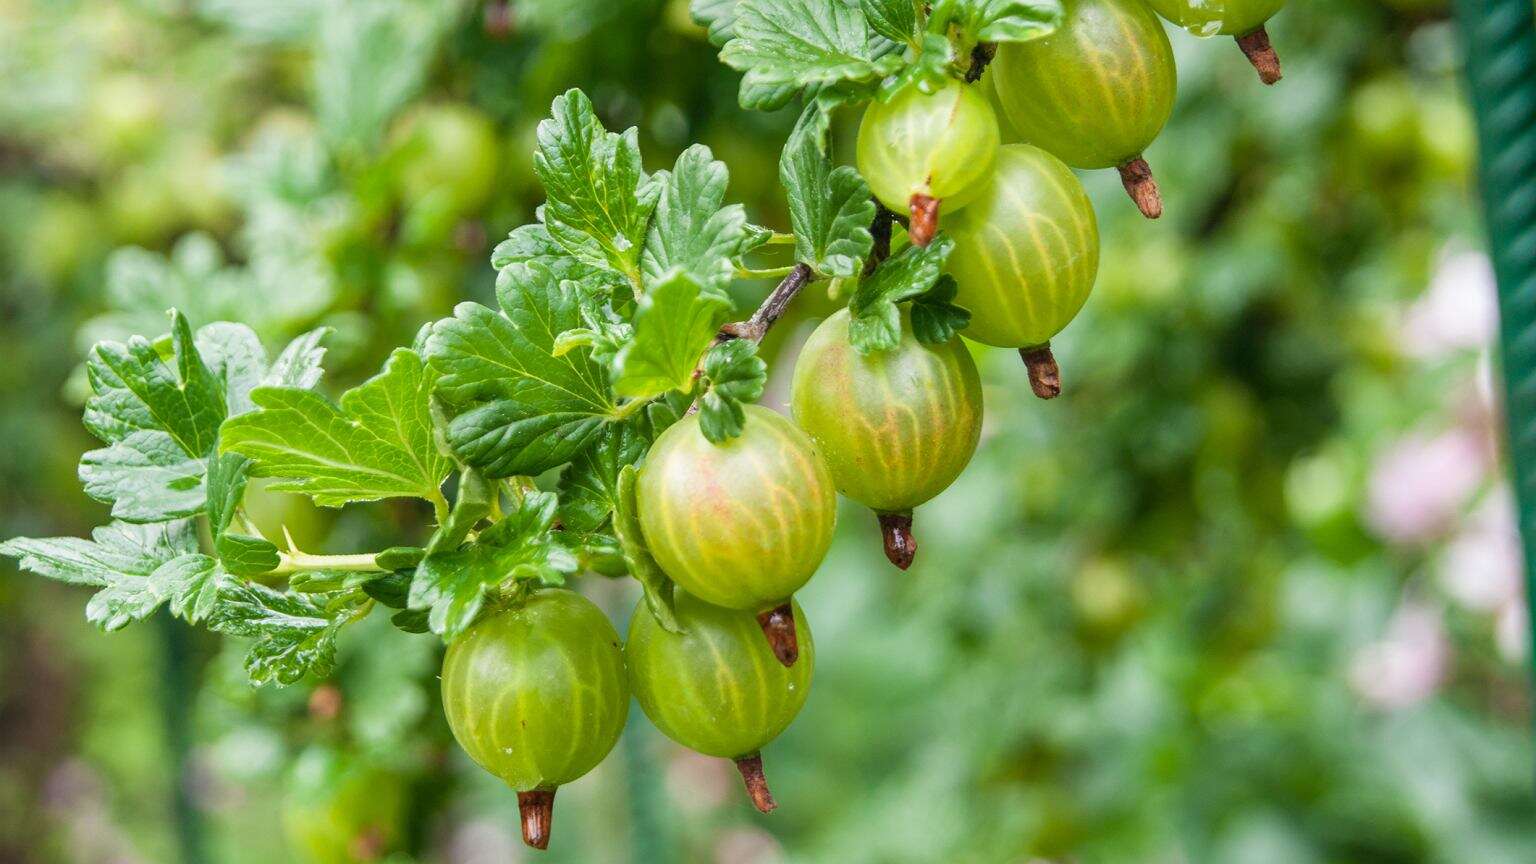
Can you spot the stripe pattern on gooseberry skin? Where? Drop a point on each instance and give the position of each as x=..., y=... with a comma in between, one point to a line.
x=1026, y=252
x=1218, y=17
x=537, y=695
x=940, y=145
x=897, y=426
x=743, y=524
x=1097, y=91
x=716, y=688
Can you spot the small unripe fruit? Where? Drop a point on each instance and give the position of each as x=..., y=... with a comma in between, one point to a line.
x=338, y=809
x=537, y=695
x=1096, y=92
x=716, y=687
x=1026, y=256
x=743, y=524
x=923, y=151
x=1242, y=19
x=896, y=427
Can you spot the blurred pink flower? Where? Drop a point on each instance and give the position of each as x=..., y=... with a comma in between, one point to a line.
x=1481, y=567
x=1409, y=662
x=1419, y=484
x=1458, y=311
x=748, y=845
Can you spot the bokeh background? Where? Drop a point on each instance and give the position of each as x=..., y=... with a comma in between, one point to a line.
x=1248, y=594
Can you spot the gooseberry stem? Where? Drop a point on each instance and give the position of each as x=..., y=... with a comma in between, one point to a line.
x=925, y=218
x=772, y=308
x=537, y=809
x=880, y=230
x=778, y=625
x=1261, y=54
x=981, y=55
x=1044, y=374
x=1137, y=177
x=751, y=768
x=896, y=531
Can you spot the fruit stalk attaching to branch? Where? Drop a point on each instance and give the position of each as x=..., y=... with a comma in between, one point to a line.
x=981, y=55
x=1261, y=54
x=880, y=230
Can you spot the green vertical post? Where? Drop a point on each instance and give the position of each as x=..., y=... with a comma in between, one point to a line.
x=1500, y=41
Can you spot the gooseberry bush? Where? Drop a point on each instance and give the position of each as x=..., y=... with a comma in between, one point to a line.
x=600, y=419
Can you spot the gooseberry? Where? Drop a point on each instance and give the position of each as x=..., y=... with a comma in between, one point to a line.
x=896, y=427
x=1096, y=92
x=716, y=687
x=1025, y=259
x=1242, y=19
x=921, y=151
x=537, y=695
x=743, y=524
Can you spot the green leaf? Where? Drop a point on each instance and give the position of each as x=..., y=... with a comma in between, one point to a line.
x=674, y=324
x=1007, y=20
x=120, y=559
x=134, y=389
x=529, y=410
x=896, y=20
x=299, y=363
x=734, y=375
x=599, y=199
x=719, y=16
x=240, y=554
x=235, y=358
x=829, y=206
x=372, y=57
x=453, y=585
x=935, y=317
x=928, y=71
x=784, y=47
x=191, y=582
x=294, y=633
x=533, y=244
x=378, y=444
x=589, y=485
x=911, y=273
x=146, y=477
x=691, y=230
x=473, y=503
x=655, y=582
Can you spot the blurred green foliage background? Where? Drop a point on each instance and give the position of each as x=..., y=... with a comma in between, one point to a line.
x=1249, y=593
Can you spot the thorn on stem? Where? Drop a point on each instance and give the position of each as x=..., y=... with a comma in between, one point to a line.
x=896, y=530
x=1142, y=186
x=925, y=218
x=1262, y=55
x=538, y=812
x=751, y=768
x=1044, y=374
x=778, y=625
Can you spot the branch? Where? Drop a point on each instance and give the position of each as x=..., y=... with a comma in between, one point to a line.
x=771, y=310
x=981, y=55
x=880, y=229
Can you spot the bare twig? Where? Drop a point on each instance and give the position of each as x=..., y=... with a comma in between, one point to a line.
x=771, y=310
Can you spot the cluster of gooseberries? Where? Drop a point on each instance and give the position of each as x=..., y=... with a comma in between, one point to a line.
x=538, y=693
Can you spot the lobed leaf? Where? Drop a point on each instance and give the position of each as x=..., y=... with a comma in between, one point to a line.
x=599, y=198
x=674, y=324
x=691, y=229
x=734, y=375
x=378, y=444
x=911, y=273
x=830, y=207
x=784, y=47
